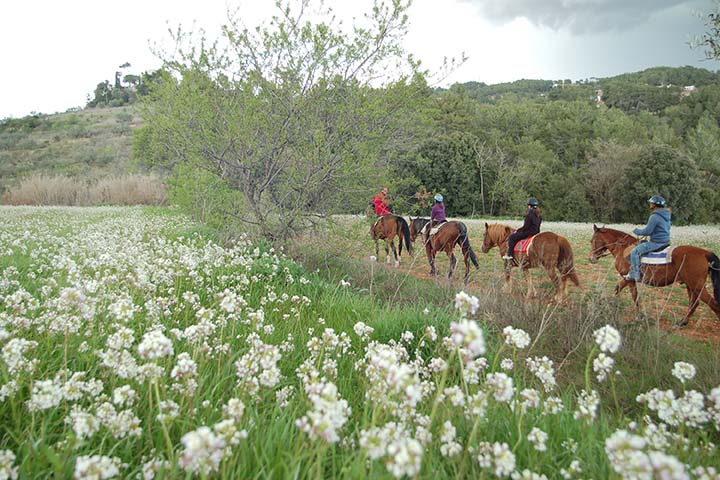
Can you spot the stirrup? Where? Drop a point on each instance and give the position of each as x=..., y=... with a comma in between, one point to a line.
x=508, y=257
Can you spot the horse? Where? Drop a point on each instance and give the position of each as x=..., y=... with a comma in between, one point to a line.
x=416, y=227
x=690, y=266
x=450, y=234
x=386, y=228
x=548, y=250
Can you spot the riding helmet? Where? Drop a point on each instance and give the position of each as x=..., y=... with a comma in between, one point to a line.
x=533, y=202
x=438, y=197
x=657, y=200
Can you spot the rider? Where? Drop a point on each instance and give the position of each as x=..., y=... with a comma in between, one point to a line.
x=531, y=226
x=380, y=202
x=657, y=228
x=437, y=215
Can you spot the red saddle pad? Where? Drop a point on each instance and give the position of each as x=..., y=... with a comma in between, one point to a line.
x=523, y=245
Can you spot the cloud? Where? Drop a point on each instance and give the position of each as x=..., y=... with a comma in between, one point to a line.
x=578, y=16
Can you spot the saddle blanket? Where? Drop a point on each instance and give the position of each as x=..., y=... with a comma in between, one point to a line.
x=661, y=257
x=436, y=228
x=523, y=245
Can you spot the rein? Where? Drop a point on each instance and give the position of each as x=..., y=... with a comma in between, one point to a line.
x=608, y=247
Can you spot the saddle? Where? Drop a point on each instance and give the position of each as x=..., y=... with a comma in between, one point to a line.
x=436, y=228
x=661, y=256
x=523, y=246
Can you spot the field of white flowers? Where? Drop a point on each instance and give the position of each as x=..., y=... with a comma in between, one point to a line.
x=134, y=346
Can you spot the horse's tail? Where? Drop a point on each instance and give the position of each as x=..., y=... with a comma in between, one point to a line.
x=566, y=263
x=715, y=274
x=405, y=232
x=464, y=241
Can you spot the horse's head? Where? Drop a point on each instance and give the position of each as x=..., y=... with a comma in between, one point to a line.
x=598, y=244
x=376, y=230
x=416, y=226
x=495, y=235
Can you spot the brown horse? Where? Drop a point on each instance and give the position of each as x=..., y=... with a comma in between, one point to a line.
x=690, y=266
x=416, y=226
x=548, y=250
x=450, y=234
x=387, y=228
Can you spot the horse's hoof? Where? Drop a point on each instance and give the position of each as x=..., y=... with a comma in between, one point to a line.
x=397, y=264
x=679, y=325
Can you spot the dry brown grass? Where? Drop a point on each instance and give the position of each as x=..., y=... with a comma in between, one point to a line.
x=131, y=189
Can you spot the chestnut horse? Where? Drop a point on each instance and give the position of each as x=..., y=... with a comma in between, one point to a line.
x=690, y=266
x=548, y=250
x=387, y=228
x=448, y=235
x=416, y=226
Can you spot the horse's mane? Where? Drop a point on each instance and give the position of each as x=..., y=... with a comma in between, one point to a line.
x=498, y=231
x=619, y=236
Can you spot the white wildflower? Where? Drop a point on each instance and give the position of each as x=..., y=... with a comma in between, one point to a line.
x=538, y=438
x=468, y=334
x=7, y=471
x=96, y=467
x=607, y=338
x=501, y=386
x=516, y=337
x=466, y=304
x=155, y=344
x=684, y=371
x=602, y=365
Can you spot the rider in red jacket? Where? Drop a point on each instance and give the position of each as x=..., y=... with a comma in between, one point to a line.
x=380, y=202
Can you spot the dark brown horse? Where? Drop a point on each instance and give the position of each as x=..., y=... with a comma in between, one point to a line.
x=448, y=235
x=690, y=266
x=416, y=227
x=548, y=250
x=387, y=228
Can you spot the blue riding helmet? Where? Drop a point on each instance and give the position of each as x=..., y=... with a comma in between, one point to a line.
x=438, y=197
x=657, y=200
x=533, y=202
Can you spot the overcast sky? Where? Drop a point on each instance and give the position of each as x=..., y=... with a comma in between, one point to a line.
x=54, y=52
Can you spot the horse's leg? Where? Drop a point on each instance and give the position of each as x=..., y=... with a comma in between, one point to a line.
x=556, y=282
x=635, y=296
x=693, y=301
x=387, y=251
x=377, y=249
x=453, y=261
x=507, y=285
x=466, y=258
x=621, y=286
x=706, y=297
x=431, y=257
x=395, y=254
x=529, y=282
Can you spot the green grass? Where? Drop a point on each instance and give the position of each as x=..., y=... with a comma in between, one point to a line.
x=157, y=256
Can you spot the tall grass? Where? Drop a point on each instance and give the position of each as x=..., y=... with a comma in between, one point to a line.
x=563, y=331
x=339, y=373
x=130, y=189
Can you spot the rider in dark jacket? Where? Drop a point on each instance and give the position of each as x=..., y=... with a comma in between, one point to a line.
x=531, y=226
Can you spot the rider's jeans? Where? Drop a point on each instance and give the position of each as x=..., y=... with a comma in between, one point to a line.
x=636, y=253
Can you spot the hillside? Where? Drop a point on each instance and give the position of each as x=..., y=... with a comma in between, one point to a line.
x=91, y=142
x=527, y=120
